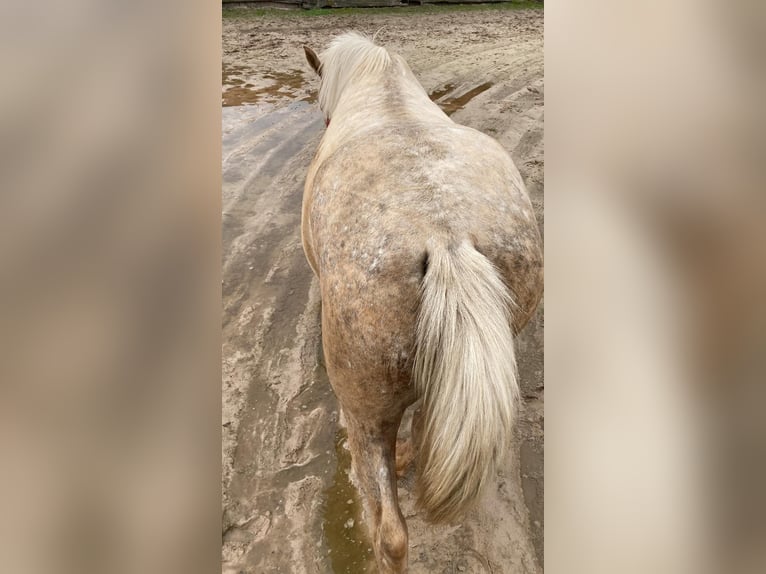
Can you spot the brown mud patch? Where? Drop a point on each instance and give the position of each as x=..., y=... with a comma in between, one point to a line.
x=450, y=105
x=240, y=88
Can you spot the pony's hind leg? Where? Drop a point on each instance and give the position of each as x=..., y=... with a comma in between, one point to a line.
x=373, y=446
x=407, y=450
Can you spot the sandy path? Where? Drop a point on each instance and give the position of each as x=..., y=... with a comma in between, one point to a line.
x=288, y=506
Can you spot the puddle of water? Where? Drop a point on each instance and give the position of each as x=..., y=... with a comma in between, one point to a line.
x=277, y=86
x=345, y=537
x=451, y=105
x=438, y=94
x=350, y=551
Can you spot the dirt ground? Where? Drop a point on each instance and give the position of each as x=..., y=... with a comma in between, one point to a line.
x=288, y=505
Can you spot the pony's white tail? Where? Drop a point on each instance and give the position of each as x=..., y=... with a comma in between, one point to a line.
x=465, y=370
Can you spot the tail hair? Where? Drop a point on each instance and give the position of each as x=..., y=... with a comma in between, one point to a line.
x=465, y=370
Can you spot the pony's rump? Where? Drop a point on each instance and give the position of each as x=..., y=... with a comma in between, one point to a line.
x=465, y=370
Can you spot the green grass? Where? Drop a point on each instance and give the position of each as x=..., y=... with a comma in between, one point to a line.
x=247, y=12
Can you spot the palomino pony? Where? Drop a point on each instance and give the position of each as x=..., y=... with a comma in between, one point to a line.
x=429, y=262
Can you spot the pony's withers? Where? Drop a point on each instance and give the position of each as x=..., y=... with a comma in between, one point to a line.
x=429, y=261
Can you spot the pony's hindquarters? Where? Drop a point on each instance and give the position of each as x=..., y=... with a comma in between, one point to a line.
x=465, y=370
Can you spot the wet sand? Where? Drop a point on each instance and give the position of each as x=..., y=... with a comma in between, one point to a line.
x=288, y=505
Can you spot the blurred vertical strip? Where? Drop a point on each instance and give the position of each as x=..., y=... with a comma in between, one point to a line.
x=110, y=287
x=655, y=287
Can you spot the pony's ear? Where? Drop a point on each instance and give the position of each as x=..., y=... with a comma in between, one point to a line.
x=313, y=60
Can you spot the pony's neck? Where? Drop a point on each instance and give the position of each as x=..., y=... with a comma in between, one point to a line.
x=390, y=95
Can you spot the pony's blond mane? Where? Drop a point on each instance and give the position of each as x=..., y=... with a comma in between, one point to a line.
x=349, y=57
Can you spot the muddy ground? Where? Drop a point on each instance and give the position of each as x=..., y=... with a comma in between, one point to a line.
x=288, y=505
